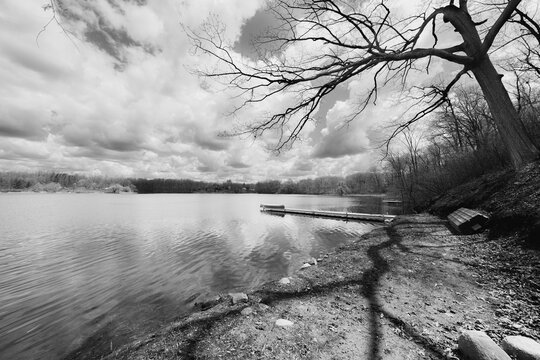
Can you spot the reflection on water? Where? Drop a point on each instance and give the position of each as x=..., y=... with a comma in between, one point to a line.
x=72, y=264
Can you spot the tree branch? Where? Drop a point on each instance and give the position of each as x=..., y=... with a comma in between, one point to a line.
x=439, y=95
x=496, y=27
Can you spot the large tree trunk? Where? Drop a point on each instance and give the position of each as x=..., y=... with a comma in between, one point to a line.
x=512, y=131
x=518, y=144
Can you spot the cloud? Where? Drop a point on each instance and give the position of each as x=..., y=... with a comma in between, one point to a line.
x=30, y=59
x=303, y=165
x=237, y=164
x=118, y=98
x=346, y=131
x=210, y=140
x=260, y=25
x=112, y=26
x=208, y=161
x=143, y=24
x=20, y=149
x=21, y=123
x=341, y=143
x=341, y=138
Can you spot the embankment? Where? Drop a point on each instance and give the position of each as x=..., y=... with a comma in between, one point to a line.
x=511, y=197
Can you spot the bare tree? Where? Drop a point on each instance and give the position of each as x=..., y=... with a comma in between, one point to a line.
x=365, y=38
x=528, y=105
x=465, y=121
x=530, y=40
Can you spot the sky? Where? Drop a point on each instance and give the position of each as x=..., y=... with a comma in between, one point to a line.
x=119, y=97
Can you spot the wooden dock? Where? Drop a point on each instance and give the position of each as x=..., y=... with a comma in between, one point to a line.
x=280, y=209
x=392, y=201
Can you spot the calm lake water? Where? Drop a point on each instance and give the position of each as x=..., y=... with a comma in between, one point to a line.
x=73, y=265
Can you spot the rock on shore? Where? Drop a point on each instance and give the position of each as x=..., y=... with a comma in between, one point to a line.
x=477, y=345
x=521, y=347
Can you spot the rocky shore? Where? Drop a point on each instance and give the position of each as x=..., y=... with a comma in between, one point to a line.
x=406, y=291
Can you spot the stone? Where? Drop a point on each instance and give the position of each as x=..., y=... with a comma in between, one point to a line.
x=284, y=323
x=247, y=311
x=313, y=261
x=207, y=302
x=521, y=347
x=237, y=298
x=263, y=307
x=477, y=345
x=285, y=281
x=305, y=266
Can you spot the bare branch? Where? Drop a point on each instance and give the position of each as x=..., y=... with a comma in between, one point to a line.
x=463, y=6
x=53, y=7
x=353, y=39
x=437, y=96
x=499, y=23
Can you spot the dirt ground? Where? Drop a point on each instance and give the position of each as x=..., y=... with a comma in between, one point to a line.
x=405, y=291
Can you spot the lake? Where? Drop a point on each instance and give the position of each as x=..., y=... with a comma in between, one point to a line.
x=73, y=265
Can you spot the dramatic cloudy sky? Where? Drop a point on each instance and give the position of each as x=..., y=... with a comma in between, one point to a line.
x=118, y=98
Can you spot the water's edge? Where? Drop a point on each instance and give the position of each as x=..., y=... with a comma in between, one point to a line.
x=208, y=308
x=77, y=268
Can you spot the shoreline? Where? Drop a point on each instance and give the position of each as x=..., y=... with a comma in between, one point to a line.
x=402, y=291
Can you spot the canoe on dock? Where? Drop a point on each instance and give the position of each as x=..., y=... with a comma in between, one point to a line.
x=280, y=209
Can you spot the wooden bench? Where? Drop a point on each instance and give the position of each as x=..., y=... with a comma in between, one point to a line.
x=467, y=221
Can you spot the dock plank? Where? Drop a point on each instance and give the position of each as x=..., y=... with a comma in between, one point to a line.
x=327, y=214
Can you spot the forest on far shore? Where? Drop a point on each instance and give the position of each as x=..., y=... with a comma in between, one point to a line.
x=359, y=183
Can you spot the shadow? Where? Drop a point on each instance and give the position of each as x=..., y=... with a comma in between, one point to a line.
x=269, y=213
x=526, y=226
x=415, y=335
x=189, y=350
x=96, y=346
x=371, y=283
x=189, y=333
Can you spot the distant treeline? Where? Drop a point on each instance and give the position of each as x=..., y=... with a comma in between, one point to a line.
x=150, y=186
x=359, y=183
x=51, y=181
x=371, y=182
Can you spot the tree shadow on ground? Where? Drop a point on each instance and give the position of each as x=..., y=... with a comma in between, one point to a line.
x=189, y=334
x=370, y=282
x=193, y=332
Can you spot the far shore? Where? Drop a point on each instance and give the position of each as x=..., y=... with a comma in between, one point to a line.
x=64, y=191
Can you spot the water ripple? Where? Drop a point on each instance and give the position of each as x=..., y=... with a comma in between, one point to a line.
x=73, y=263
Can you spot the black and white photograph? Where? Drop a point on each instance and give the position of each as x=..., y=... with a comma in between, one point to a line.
x=269, y=179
